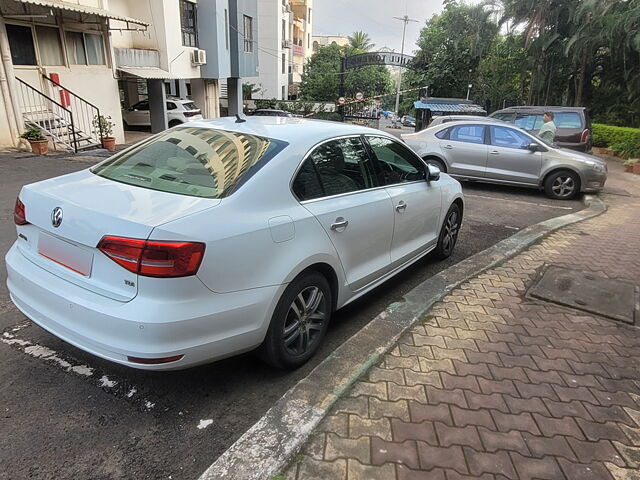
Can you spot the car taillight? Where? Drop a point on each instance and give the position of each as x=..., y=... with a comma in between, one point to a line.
x=585, y=135
x=152, y=258
x=19, y=213
x=192, y=113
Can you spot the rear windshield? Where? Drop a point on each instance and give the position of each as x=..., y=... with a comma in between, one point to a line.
x=200, y=162
x=567, y=120
x=529, y=121
x=190, y=106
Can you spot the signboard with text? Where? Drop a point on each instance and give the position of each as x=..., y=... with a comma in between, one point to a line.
x=377, y=58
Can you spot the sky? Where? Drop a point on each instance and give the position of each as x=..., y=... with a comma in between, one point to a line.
x=343, y=17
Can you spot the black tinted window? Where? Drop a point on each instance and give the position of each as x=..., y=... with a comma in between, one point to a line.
x=343, y=166
x=398, y=164
x=467, y=133
x=143, y=105
x=508, y=137
x=171, y=106
x=307, y=185
x=442, y=134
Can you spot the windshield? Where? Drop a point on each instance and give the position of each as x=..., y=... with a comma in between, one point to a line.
x=200, y=162
x=190, y=106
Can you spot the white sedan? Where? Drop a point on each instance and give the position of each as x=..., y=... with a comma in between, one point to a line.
x=224, y=236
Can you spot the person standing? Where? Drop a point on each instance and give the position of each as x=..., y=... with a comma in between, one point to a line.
x=548, y=131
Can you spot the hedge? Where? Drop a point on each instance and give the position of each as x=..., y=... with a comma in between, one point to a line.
x=625, y=141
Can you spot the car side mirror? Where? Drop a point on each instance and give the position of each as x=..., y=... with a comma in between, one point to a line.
x=534, y=147
x=433, y=173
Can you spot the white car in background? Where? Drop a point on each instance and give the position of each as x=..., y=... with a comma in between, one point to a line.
x=179, y=110
x=222, y=236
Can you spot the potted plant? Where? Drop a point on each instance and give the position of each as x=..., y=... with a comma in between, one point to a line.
x=632, y=164
x=104, y=125
x=39, y=143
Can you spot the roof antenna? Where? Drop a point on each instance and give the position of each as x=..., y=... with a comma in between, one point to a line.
x=239, y=119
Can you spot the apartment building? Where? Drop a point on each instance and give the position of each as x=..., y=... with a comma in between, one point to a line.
x=284, y=40
x=301, y=50
x=63, y=63
x=324, y=40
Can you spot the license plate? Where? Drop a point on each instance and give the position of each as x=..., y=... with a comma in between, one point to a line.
x=66, y=254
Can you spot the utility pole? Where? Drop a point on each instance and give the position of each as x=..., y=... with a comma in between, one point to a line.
x=404, y=20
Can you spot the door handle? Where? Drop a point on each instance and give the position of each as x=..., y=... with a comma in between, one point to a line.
x=494, y=152
x=448, y=147
x=340, y=223
x=401, y=207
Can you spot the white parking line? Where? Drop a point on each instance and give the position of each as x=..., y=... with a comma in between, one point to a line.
x=559, y=207
x=117, y=387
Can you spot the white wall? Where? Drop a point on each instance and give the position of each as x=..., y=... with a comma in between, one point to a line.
x=163, y=34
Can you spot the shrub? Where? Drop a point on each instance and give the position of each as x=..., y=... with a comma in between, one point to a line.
x=625, y=141
x=103, y=125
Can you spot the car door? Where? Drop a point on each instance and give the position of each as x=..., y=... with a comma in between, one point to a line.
x=139, y=114
x=338, y=185
x=465, y=151
x=416, y=203
x=510, y=158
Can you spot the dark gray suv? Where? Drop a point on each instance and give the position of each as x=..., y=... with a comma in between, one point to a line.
x=573, y=123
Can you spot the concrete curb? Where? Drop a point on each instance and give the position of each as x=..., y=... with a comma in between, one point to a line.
x=264, y=450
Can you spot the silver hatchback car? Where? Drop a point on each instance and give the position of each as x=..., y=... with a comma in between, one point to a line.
x=500, y=153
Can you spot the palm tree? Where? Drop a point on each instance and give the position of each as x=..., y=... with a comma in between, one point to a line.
x=360, y=41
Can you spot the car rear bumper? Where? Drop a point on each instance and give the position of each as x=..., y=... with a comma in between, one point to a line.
x=203, y=328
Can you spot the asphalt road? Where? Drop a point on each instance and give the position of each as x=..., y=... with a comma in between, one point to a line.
x=67, y=415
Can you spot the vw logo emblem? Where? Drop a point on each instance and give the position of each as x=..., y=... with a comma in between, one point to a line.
x=56, y=217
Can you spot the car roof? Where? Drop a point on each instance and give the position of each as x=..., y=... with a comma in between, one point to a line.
x=271, y=110
x=288, y=129
x=537, y=108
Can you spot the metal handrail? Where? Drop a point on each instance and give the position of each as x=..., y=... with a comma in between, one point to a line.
x=34, y=107
x=82, y=107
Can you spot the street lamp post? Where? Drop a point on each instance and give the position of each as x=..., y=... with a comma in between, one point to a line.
x=405, y=20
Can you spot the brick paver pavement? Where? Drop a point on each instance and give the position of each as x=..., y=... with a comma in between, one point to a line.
x=494, y=385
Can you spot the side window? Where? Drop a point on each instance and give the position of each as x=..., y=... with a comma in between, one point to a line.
x=508, y=137
x=443, y=134
x=398, y=164
x=307, y=185
x=505, y=117
x=529, y=121
x=467, y=133
x=171, y=106
x=343, y=166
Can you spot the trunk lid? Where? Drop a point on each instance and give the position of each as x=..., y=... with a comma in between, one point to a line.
x=91, y=207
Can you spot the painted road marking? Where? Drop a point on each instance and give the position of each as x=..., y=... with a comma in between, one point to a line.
x=545, y=205
x=118, y=387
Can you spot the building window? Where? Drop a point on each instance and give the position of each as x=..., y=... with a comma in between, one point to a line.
x=49, y=46
x=284, y=30
x=85, y=48
x=309, y=16
x=248, y=33
x=226, y=28
x=284, y=63
x=283, y=93
x=23, y=51
x=308, y=40
x=188, y=23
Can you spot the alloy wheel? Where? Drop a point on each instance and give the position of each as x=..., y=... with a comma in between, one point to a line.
x=304, y=321
x=450, y=232
x=563, y=186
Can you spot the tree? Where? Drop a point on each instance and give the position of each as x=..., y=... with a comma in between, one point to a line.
x=321, y=77
x=360, y=41
x=450, y=48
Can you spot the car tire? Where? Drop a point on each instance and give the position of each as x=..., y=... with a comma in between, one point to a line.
x=173, y=123
x=439, y=164
x=299, y=322
x=449, y=233
x=562, y=185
